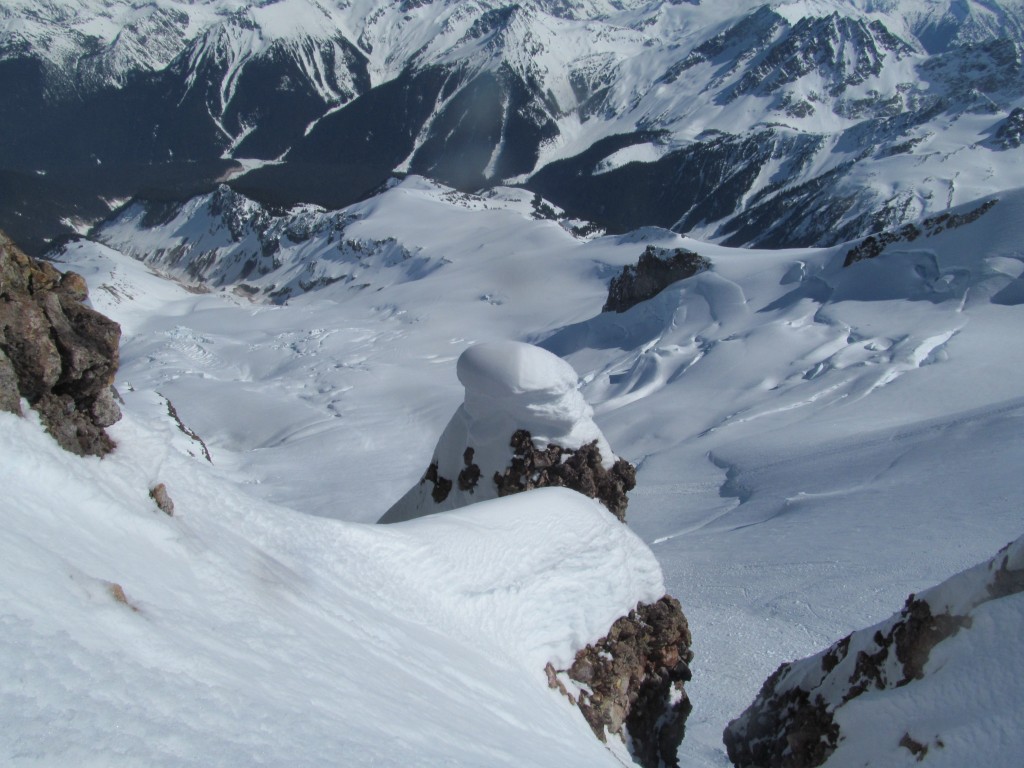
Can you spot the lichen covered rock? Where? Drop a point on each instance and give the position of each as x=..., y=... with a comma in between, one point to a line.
x=631, y=681
x=57, y=353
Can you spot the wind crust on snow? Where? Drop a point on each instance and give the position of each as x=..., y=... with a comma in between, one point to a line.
x=797, y=719
x=523, y=424
x=57, y=353
x=170, y=639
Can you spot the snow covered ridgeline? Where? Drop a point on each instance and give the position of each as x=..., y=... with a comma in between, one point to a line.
x=937, y=683
x=522, y=412
x=247, y=631
x=225, y=239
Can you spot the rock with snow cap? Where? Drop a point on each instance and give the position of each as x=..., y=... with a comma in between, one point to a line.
x=512, y=388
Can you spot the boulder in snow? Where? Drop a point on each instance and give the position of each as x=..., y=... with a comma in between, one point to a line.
x=656, y=270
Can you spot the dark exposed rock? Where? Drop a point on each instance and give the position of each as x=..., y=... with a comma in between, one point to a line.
x=1009, y=133
x=442, y=485
x=61, y=354
x=809, y=738
x=10, y=400
x=791, y=723
x=917, y=749
x=633, y=678
x=657, y=269
x=469, y=476
x=186, y=430
x=917, y=633
x=873, y=245
x=580, y=470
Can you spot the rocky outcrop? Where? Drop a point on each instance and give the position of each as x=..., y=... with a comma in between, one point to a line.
x=873, y=245
x=792, y=723
x=580, y=470
x=657, y=269
x=631, y=681
x=1009, y=132
x=57, y=353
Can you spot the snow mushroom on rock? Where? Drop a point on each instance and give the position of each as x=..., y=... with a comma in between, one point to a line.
x=523, y=424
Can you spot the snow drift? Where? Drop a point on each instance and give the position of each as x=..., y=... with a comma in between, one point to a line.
x=240, y=633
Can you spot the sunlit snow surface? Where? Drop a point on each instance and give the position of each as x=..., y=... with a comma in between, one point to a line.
x=247, y=634
x=813, y=444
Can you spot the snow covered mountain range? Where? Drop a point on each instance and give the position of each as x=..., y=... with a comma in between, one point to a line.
x=793, y=123
x=353, y=247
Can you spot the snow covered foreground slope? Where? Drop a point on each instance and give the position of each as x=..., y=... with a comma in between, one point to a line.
x=237, y=633
x=813, y=441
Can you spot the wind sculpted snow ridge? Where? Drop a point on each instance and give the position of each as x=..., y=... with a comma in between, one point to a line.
x=254, y=633
x=815, y=712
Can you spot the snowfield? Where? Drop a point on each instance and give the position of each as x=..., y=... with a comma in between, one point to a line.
x=813, y=443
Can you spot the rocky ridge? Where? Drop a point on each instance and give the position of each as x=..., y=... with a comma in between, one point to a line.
x=56, y=352
x=793, y=721
x=631, y=681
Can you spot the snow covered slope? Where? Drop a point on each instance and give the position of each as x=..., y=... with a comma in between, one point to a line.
x=240, y=632
x=814, y=441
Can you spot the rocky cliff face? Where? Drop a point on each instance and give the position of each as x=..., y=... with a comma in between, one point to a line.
x=57, y=353
x=796, y=719
x=631, y=681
